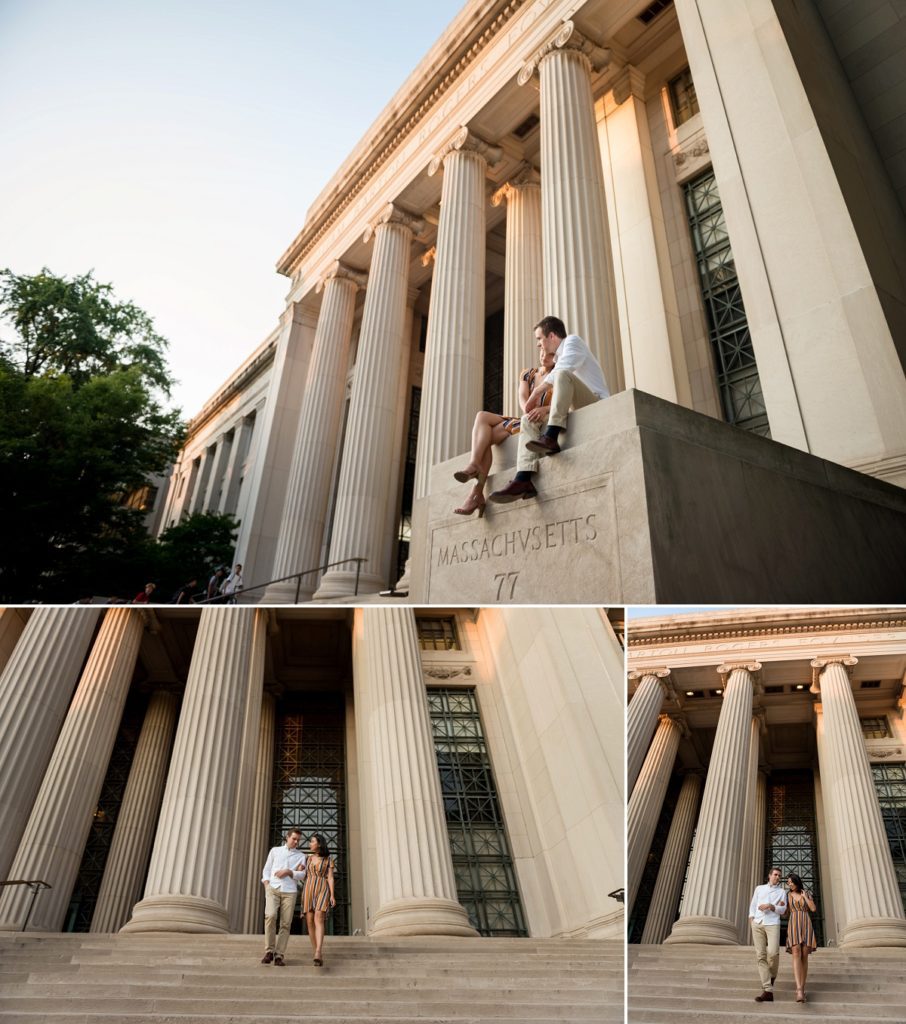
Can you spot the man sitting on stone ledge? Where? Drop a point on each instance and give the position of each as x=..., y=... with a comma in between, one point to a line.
x=576, y=379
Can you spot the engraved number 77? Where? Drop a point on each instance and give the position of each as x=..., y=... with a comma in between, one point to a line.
x=502, y=578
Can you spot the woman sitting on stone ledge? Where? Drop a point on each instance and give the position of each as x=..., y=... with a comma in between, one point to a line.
x=490, y=428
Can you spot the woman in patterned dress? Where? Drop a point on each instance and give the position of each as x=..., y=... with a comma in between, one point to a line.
x=318, y=894
x=490, y=428
x=800, y=935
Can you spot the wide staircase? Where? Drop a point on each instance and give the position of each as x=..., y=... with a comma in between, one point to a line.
x=200, y=979
x=718, y=985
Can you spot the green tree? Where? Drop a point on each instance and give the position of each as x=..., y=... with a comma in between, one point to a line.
x=193, y=548
x=83, y=423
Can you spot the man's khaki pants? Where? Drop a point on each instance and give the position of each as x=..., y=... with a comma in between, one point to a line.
x=569, y=392
x=280, y=905
x=766, y=938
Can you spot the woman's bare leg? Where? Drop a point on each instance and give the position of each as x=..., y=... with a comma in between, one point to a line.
x=803, y=968
x=310, y=921
x=797, y=968
x=320, y=918
x=497, y=436
x=482, y=436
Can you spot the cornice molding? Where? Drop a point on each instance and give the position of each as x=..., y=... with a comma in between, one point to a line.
x=743, y=632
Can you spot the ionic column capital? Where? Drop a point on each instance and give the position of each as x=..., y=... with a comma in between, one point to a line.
x=629, y=82
x=661, y=674
x=343, y=272
x=465, y=141
x=527, y=176
x=752, y=667
x=819, y=664
x=393, y=214
x=680, y=722
x=567, y=37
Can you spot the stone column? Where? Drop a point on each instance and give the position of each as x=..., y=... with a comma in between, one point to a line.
x=750, y=827
x=35, y=689
x=641, y=718
x=523, y=303
x=709, y=906
x=647, y=800
x=252, y=919
x=669, y=884
x=312, y=470
x=454, y=349
x=787, y=176
x=578, y=278
x=416, y=887
x=653, y=356
x=186, y=889
x=873, y=910
x=135, y=824
x=239, y=450
x=57, y=830
x=832, y=874
x=371, y=451
x=757, y=875
x=248, y=765
x=12, y=622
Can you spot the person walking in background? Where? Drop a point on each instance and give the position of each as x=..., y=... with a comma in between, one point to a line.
x=768, y=903
x=144, y=596
x=186, y=593
x=215, y=583
x=318, y=895
x=232, y=585
x=282, y=872
x=800, y=935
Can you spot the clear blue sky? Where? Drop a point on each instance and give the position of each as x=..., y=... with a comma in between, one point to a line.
x=175, y=147
x=663, y=610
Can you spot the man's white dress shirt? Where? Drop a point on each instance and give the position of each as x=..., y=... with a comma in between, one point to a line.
x=282, y=858
x=773, y=894
x=574, y=355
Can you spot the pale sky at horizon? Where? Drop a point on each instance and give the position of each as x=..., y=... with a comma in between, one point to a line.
x=175, y=149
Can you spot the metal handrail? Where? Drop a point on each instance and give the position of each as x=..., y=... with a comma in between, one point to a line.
x=36, y=885
x=297, y=576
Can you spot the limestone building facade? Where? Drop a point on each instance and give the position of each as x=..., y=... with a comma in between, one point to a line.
x=710, y=193
x=759, y=738
x=465, y=766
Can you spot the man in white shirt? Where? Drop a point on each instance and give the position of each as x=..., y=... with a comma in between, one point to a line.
x=283, y=870
x=768, y=903
x=576, y=380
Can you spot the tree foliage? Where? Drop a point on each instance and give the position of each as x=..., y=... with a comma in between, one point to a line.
x=83, y=423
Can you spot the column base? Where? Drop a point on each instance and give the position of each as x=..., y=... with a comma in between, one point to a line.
x=873, y=931
x=709, y=931
x=422, y=916
x=285, y=593
x=178, y=914
x=342, y=583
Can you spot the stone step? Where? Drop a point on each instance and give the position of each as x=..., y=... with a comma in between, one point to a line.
x=609, y=1015
x=827, y=1004
x=778, y=1013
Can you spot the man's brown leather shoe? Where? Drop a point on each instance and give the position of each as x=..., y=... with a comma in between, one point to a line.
x=268, y=958
x=544, y=446
x=513, y=491
x=765, y=997
x=279, y=961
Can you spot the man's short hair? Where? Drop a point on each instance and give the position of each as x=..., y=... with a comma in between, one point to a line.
x=552, y=325
x=294, y=831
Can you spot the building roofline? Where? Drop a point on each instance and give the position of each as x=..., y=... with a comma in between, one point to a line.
x=439, y=69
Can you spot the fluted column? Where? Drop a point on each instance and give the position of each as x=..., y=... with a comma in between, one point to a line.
x=648, y=798
x=35, y=689
x=60, y=820
x=641, y=718
x=186, y=889
x=248, y=764
x=873, y=911
x=371, y=449
x=709, y=905
x=135, y=823
x=259, y=820
x=747, y=845
x=523, y=302
x=832, y=874
x=578, y=285
x=416, y=886
x=757, y=875
x=454, y=349
x=311, y=472
x=669, y=884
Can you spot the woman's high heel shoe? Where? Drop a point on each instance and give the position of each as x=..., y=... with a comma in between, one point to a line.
x=469, y=473
x=800, y=995
x=474, y=501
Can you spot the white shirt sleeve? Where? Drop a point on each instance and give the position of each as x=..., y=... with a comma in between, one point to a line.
x=753, y=906
x=299, y=870
x=268, y=867
x=570, y=355
x=780, y=905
